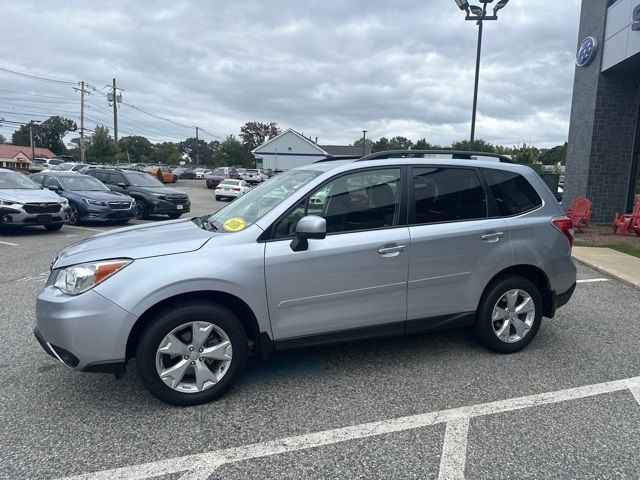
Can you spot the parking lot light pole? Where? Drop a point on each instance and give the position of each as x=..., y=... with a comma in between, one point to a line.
x=479, y=15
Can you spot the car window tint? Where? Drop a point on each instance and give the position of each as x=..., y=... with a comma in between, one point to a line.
x=447, y=195
x=512, y=192
x=358, y=201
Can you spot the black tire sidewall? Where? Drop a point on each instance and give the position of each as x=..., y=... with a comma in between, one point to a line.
x=145, y=211
x=53, y=227
x=171, y=318
x=483, y=329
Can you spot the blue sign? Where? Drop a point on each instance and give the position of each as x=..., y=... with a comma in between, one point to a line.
x=586, y=52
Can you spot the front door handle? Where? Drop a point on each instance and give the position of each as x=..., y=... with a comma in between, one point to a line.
x=391, y=250
x=492, y=236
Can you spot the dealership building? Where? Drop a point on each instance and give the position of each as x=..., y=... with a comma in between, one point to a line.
x=603, y=156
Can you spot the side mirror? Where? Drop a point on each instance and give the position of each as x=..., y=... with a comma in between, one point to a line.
x=311, y=226
x=54, y=188
x=122, y=185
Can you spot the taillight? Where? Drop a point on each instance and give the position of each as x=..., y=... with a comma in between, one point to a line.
x=237, y=189
x=565, y=225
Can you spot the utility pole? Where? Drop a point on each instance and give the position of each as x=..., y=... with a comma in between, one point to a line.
x=115, y=113
x=82, y=154
x=33, y=147
x=197, y=148
x=364, y=142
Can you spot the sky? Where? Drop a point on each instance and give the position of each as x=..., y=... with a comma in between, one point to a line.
x=328, y=68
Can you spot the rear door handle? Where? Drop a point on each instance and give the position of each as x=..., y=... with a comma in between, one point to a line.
x=391, y=249
x=492, y=236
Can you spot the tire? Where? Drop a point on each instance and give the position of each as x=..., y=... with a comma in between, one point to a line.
x=217, y=198
x=149, y=361
x=74, y=215
x=53, y=227
x=122, y=222
x=175, y=179
x=141, y=212
x=209, y=186
x=173, y=216
x=514, y=338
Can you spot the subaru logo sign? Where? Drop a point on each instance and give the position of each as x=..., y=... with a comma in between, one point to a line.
x=586, y=51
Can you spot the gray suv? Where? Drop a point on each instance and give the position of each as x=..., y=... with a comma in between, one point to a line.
x=394, y=246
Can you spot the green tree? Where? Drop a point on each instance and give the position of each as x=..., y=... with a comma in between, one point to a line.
x=101, y=147
x=166, y=153
x=479, y=145
x=400, y=143
x=48, y=134
x=2, y=139
x=159, y=175
x=380, y=145
x=422, y=144
x=134, y=148
x=197, y=150
x=254, y=134
x=554, y=155
x=526, y=154
x=360, y=141
x=232, y=152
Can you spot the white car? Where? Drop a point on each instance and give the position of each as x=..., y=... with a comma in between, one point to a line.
x=231, y=189
x=253, y=175
x=202, y=172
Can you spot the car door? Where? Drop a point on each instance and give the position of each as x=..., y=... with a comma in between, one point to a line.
x=351, y=283
x=455, y=247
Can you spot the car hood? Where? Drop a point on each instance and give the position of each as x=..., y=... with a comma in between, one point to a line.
x=28, y=196
x=162, y=190
x=102, y=196
x=140, y=241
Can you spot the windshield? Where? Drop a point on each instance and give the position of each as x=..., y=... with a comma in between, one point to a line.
x=219, y=171
x=39, y=161
x=11, y=180
x=230, y=182
x=142, y=180
x=259, y=201
x=83, y=184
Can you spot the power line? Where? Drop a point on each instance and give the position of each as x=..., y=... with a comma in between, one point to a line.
x=36, y=77
x=38, y=95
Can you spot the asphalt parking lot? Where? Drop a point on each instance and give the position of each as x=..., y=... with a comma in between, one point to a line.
x=435, y=406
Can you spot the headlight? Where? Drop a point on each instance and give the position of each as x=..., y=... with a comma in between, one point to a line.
x=9, y=202
x=80, y=278
x=161, y=196
x=94, y=202
x=64, y=202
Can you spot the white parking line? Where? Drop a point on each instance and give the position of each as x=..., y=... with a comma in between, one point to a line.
x=84, y=228
x=593, y=280
x=203, y=464
x=454, y=450
x=10, y=244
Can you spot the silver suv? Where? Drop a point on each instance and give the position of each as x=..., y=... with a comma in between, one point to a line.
x=396, y=246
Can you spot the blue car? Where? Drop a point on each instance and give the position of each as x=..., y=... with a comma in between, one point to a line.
x=89, y=198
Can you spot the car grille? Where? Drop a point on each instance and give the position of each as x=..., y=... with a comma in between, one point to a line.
x=42, y=207
x=119, y=205
x=178, y=199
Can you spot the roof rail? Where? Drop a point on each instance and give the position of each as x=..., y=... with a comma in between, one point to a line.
x=464, y=155
x=333, y=158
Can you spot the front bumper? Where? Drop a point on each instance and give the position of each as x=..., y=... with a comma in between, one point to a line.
x=16, y=215
x=105, y=214
x=164, y=207
x=86, y=332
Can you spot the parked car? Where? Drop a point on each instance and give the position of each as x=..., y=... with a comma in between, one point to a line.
x=72, y=166
x=438, y=243
x=231, y=189
x=253, y=175
x=23, y=202
x=189, y=173
x=151, y=196
x=89, y=199
x=202, y=172
x=39, y=164
x=167, y=175
x=220, y=174
x=267, y=171
x=240, y=171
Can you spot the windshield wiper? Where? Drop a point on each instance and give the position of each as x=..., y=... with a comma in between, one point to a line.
x=205, y=223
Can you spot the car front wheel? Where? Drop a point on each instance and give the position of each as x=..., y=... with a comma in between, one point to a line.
x=192, y=353
x=510, y=314
x=141, y=212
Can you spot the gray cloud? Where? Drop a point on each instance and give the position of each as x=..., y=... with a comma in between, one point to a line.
x=328, y=68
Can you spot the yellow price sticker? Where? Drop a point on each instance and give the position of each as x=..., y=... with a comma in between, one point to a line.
x=234, y=225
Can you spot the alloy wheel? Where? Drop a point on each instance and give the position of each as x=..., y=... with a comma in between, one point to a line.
x=73, y=215
x=194, y=357
x=140, y=210
x=513, y=315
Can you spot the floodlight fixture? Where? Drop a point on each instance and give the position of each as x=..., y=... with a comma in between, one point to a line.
x=478, y=11
x=499, y=6
x=463, y=4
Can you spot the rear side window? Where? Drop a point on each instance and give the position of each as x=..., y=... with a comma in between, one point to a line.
x=512, y=192
x=447, y=195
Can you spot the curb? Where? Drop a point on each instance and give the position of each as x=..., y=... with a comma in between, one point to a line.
x=606, y=272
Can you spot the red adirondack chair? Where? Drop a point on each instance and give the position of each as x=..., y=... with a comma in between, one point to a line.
x=627, y=221
x=580, y=213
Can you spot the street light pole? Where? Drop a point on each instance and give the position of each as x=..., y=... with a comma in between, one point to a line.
x=475, y=85
x=364, y=142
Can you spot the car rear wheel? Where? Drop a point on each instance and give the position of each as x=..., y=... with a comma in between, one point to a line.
x=192, y=353
x=52, y=227
x=510, y=314
x=217, y=198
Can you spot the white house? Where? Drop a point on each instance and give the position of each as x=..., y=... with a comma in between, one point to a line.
x=291, y=149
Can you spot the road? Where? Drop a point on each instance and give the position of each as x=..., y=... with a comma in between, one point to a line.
x=433, y=406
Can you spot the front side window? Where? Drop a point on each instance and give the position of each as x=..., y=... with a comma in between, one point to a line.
x=512, y=192
x=447, y=195
x=52, y=182
x=362, y=200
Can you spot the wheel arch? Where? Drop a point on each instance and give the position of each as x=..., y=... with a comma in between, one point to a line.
x=262, y=344
x=537, y=276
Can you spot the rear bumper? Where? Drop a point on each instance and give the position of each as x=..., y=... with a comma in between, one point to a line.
x=563, y=298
